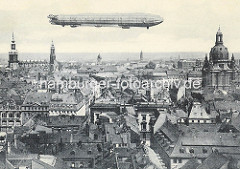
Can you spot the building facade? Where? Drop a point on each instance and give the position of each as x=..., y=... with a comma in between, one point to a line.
x=11, y=115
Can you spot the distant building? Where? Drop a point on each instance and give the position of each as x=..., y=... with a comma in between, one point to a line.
x=36, y=103
x=11, y=115
x=13, y=55
x=186, y=64
x=99, y=59
x=43, y=64
x=195, y=65
x=33, y=63
x=66, y=104
x=218, y=71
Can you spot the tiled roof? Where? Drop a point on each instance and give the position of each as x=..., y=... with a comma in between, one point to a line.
x=227, y=105
x=191, y=164
x=66, y=98
x=132, y=123
x=214, y=161
x=211, y=139
x=37, y=97
x=170, y=130
x=201, y=144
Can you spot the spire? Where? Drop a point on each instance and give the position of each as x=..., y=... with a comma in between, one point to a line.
x=52, y=46
x=141, y=55
x=233, y=57
x=206, y=63
x=13, y=44
x=99, y=59
x=13, y=37
x=232, y=61
x=206, y=58
x=219, y=37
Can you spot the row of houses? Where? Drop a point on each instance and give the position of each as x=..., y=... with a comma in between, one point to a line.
x=43, y=105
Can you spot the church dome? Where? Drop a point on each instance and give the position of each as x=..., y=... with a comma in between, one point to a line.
x=219, y=51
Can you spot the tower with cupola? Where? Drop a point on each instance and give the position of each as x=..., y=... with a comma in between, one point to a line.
x=13, y=55
x=52, y=57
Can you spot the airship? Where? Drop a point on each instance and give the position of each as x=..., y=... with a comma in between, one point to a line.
x=124, y=21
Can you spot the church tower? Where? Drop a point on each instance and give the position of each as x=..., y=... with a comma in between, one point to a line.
x=218, y=71
x=52, y=57
x=141, y=56
x=13, y=55
x=99, y=59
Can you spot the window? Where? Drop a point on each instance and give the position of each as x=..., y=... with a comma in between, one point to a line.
x=174, y=160
x=180, y=160
x=144, y=126
x=144, y=117
x=73, y=165
x=191, y=150
x=18, y=115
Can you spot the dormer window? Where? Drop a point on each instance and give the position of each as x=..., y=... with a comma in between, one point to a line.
x=204, y=151
x=181, y=150
x=191, y=150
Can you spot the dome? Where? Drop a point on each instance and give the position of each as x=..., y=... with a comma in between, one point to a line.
x=219, y=52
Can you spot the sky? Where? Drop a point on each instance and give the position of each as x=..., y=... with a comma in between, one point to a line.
x=189, y=26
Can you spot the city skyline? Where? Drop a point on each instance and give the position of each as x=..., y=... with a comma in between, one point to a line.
x=188, y=26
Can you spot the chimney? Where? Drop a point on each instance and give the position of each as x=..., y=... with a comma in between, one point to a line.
x=15, y=141
x=8, y=147
x=71, y=138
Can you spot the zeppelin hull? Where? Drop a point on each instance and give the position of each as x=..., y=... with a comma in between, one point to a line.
x=124, y=21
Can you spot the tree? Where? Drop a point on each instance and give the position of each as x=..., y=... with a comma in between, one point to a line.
x=150, y=65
